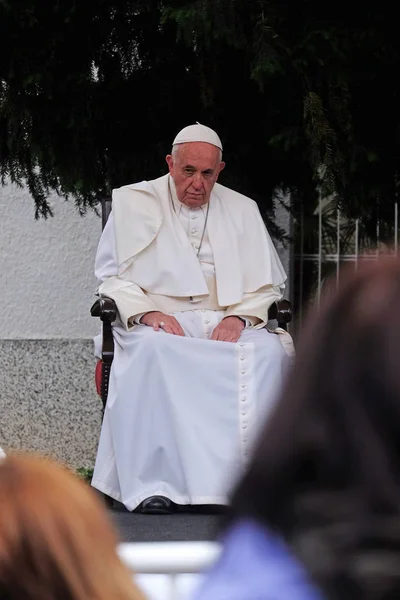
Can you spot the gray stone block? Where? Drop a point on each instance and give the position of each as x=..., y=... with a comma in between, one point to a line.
x=48, y=400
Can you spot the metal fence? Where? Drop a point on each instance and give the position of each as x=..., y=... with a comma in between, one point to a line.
x=324, y=240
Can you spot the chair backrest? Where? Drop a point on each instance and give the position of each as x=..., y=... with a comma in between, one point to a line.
x=106, y=206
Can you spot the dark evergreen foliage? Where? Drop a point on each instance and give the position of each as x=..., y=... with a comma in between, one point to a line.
x=304, y=94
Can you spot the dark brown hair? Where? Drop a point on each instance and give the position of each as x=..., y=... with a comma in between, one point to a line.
x=328, y=458
x=56, y=542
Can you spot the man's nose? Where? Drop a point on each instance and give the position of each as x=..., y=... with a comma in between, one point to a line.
x=197, y=181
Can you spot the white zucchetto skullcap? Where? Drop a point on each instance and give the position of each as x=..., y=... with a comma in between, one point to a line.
x=198, y=133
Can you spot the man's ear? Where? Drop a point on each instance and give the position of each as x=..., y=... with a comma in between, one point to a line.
x=170, y=163
x=221, y=166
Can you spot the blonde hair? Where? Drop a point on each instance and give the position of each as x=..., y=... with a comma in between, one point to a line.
x=56, y=542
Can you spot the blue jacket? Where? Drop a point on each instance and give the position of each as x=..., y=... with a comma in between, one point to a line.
x=255, y=565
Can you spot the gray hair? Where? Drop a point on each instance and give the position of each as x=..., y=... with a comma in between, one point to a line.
x=175, y=149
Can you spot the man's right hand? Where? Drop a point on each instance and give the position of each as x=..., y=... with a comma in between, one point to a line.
x=158, y=320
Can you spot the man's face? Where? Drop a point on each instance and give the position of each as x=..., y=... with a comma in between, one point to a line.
x=195, y=168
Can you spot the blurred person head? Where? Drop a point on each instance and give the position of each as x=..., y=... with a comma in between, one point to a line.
x=56, y=542
x=325, y=473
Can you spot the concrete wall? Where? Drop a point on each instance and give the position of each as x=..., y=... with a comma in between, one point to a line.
x=47, y=278
x=48, y=401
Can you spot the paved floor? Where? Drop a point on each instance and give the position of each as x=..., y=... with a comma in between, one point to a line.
x=165, y=528
x=133, y=527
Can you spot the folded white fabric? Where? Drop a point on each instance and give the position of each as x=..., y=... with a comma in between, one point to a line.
x=286, y=340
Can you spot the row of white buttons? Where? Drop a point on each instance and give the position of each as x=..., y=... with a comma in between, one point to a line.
x=243, y=412
x=206, y=322
x=194, y=230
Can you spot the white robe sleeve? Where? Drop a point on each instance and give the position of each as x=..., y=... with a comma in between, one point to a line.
x=255, y=305
x=130, y=299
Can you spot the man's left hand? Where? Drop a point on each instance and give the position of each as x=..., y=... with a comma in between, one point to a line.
x=228, y=330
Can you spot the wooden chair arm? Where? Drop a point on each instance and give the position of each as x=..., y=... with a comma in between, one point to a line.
x=282, y=312
x=105, y=308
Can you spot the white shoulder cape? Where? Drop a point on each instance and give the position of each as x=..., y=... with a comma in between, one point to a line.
x=154, y=252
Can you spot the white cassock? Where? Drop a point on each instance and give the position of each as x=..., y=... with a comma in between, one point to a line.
x=182, y=412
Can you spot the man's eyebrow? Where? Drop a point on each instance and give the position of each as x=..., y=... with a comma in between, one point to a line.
x=193, y=168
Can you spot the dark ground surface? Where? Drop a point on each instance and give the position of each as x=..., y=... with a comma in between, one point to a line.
x=165, y=528
x=134, y=527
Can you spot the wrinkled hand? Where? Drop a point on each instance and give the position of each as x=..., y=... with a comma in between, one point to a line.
x=228, y=330
x=158, y=320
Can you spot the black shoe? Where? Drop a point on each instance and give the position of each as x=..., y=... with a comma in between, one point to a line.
x=156, y=505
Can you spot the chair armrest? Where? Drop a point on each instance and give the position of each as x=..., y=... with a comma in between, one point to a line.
x=282, y=312
x=105, y=308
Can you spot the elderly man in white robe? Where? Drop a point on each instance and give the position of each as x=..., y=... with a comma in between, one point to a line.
x=193, y=272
